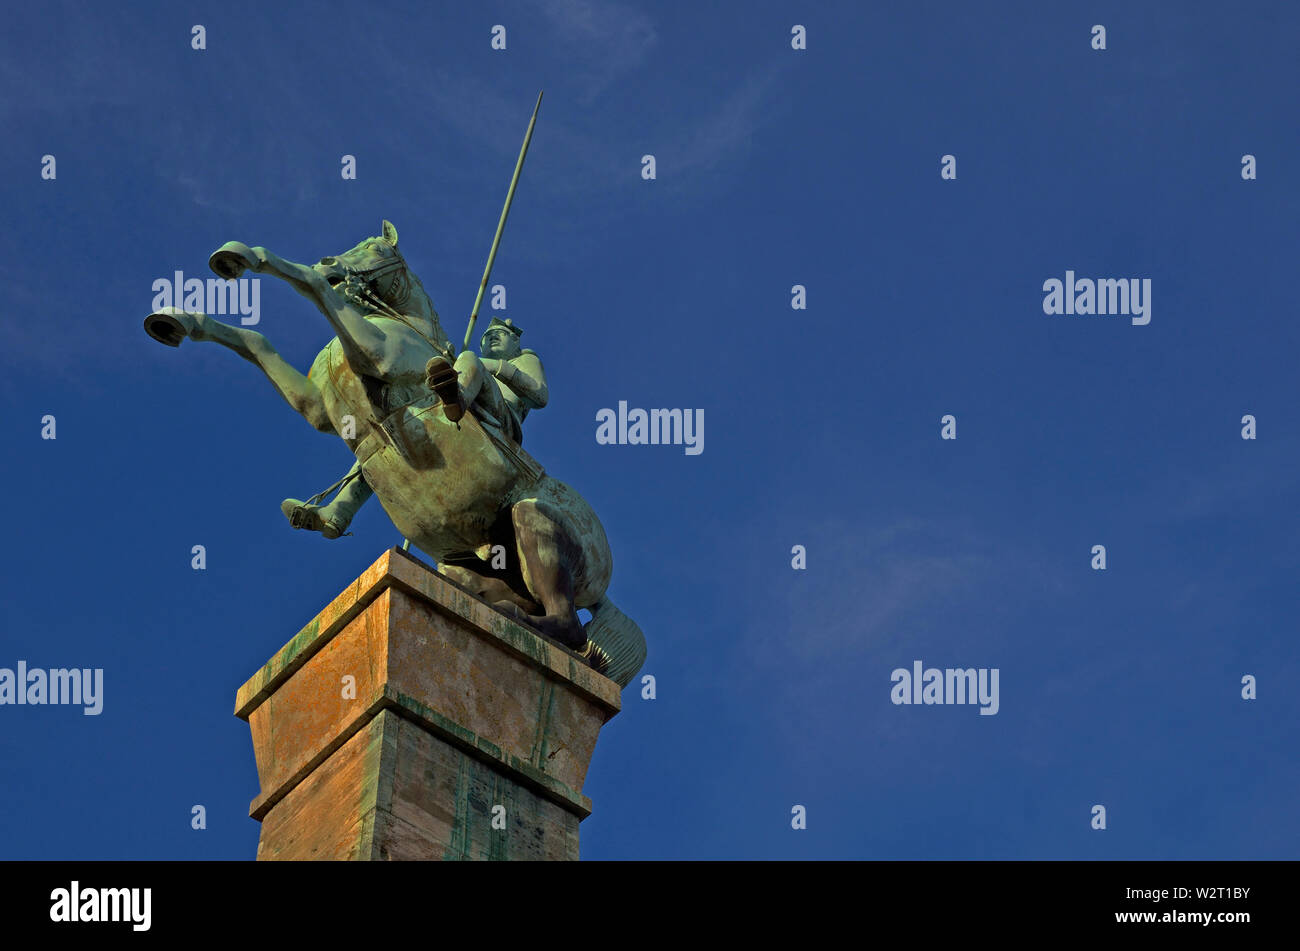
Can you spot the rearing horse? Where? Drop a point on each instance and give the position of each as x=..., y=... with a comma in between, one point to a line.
x=454, y=488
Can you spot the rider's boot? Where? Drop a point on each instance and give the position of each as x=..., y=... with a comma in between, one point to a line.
x=330, y=520
x=443, y=380
x=314, y=518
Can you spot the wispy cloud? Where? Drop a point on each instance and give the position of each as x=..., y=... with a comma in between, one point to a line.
x=873, y=592
x=604, y=40
x=718, y=135
x=596, y=148
x=871, y=600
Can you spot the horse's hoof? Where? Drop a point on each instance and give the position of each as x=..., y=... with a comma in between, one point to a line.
x=169, y=325
x=231, y=260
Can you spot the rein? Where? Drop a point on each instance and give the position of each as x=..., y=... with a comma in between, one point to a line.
x=357, y=286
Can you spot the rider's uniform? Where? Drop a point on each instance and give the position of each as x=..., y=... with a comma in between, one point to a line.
x=512, y=388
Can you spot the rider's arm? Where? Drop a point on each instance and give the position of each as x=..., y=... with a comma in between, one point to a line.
x=524, y=375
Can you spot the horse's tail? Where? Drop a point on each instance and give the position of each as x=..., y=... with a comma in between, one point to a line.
x=615, y=642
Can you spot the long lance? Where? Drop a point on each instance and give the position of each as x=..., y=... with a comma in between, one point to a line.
x=501, y=225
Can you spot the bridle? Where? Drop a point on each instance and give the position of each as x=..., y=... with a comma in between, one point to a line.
x=371, y=274
x=357, y=286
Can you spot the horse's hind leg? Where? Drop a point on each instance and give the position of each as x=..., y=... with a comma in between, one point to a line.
x=495, y=591
x=298, y=391
x=547, y=554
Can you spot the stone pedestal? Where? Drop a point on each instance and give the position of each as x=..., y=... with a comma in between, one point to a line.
x=410, y=720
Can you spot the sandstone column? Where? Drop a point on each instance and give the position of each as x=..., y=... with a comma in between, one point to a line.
x=410, y=720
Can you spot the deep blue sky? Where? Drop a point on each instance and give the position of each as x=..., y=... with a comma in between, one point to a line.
x=775, y=167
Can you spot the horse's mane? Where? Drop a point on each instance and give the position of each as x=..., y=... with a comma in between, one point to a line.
x=433, y=311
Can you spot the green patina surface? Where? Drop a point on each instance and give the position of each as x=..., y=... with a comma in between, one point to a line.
x=477, y=789
x=458, y=847
x=303, y=645
x=278, y=668
x=550, y=787
x=473, y=811
x=423, y=583
x=376, y=794
x=376, y=784
x=434, y=435
x=545, y=716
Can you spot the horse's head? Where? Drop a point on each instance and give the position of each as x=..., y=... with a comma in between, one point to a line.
x=376, y=263
x=375, y=271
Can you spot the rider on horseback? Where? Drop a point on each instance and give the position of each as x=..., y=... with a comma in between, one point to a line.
x=517, y=385
x=520, y=382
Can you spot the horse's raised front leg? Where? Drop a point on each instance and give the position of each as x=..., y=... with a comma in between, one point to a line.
x=172, y=325
x=366, y=347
